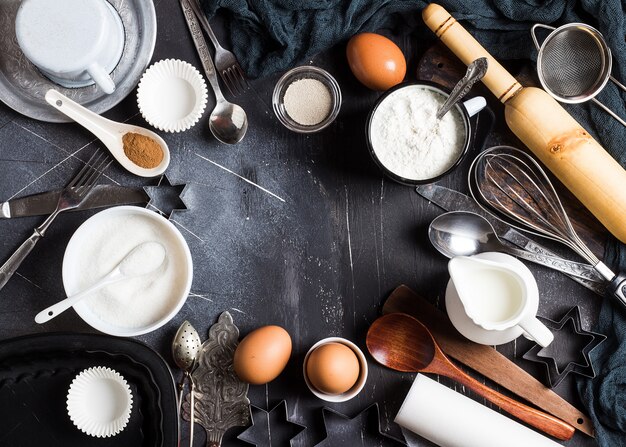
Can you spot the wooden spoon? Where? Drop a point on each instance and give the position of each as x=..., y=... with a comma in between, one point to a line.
x=401, y=342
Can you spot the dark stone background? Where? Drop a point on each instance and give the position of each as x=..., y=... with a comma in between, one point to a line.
x=319, y=264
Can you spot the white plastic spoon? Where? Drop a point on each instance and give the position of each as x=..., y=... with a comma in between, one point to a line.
x=141, y=260
x=109, y=132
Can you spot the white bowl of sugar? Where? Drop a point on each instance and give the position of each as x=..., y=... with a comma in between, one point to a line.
x=133, y=306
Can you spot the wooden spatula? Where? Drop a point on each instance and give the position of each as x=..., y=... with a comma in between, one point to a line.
x=484, y=359
x=401, y=342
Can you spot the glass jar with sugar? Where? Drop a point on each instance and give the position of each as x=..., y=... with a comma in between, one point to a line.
x=306, y=99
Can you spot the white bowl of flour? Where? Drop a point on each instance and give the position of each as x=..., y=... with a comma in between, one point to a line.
x=133, y=306
x=406, y=139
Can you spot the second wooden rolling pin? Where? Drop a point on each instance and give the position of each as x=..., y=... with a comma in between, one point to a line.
x=556, y=138
x=484, y=359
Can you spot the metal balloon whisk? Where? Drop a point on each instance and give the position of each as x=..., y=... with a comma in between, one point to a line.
x=511, y=185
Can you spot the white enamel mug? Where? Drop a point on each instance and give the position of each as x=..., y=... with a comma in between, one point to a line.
x=75, y=43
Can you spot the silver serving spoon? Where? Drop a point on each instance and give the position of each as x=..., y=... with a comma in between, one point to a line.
x=228, y=121
x=185, y=349
x=141, y=260
x=475, y=72
x=461, y=233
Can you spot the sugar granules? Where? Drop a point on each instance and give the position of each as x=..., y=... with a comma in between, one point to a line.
x=134, y=302
x=307, y=101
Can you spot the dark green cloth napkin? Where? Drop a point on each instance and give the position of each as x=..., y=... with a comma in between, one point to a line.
x=605, y=395
x=268, y=36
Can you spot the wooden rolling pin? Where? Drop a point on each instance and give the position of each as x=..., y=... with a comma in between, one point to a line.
x=551, y=133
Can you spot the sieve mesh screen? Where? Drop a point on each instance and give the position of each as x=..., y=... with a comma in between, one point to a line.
x=573, y=63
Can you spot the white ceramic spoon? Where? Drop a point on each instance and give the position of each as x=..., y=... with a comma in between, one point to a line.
x=109, y=132
x=141, y=260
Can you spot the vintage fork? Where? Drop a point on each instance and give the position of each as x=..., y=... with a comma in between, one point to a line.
x=71, y=197
x=226, y=63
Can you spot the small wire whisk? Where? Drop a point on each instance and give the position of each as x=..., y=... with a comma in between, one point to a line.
x=513, y=187
x=574, y=64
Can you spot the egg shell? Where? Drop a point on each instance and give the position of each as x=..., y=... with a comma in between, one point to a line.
x=262, y=355
x=376, y=61
x=333, y=368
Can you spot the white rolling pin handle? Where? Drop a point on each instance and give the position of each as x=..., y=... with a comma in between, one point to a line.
x=450, y=419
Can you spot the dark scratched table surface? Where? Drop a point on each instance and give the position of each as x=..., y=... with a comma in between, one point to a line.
x=317, y=250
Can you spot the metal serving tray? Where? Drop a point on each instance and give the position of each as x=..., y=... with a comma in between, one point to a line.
x=22, y=86
x=35, y=375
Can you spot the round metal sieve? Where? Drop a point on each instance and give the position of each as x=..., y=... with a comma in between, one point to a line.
x=574, y=63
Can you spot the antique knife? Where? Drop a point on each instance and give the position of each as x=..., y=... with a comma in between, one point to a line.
x=45, y=202
x=451, y=200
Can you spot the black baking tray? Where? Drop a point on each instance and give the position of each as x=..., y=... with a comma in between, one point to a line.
x=35, y=375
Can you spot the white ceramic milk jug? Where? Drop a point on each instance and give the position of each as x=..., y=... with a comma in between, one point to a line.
x=75, y=43
x=496, y=297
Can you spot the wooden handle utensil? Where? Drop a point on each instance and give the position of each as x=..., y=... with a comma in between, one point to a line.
x=403, y=343
x=556, y=138
x=484, y=359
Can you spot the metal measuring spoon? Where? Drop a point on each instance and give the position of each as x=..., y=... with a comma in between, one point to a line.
x=185, y=349
x=228, y=121
x=461, y=233
x=475, y=72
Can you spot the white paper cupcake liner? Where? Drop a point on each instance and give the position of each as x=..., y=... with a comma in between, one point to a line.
x=99, y=402
x=172, y=95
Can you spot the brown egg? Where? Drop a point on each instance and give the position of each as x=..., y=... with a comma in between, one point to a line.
x=376, y=61
x=333, y=368
x=262, y=355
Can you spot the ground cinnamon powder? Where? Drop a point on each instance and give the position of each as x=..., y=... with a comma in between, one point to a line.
x=142, y=150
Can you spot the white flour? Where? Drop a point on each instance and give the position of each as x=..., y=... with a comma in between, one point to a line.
x=409, y=140
x=134, y=302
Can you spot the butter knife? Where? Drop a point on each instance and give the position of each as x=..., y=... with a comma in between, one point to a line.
x=45, y=202
x=451, y=200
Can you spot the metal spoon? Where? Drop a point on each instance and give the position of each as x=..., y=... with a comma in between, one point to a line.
x=141, y=260
x=185, y=349
x=403, y=343
x=228, y=121
x=475, y=72
x=109, y=132
x=461, y=233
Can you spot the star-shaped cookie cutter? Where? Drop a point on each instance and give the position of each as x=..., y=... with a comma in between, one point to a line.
x=265, y=431
x=579, y=364
x=166, y=198
x=364, y=421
